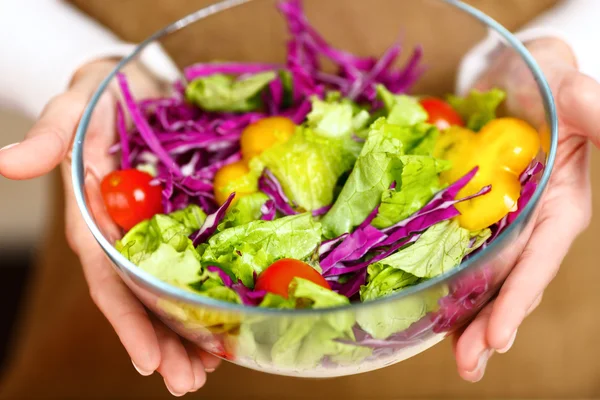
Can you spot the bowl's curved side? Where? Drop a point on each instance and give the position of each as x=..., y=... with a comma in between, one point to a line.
x=327, y=342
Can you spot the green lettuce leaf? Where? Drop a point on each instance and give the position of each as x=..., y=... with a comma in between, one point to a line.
x=161, y=246
x=302, y=341
x=383, y=320
x=275, y=301
x=307, y=341
x=419, y=182
x=252, y=247
x=336, y=119
x=419, y=139
x=401, y=109
x=439, y=249
x=314, y=296
x=478, y=108
x=480, y=238
x=384, y=280
x=179, y=268
x=192, y=217
x=323, y=340
x=220, y=92
x=377, y=166
x=246, y=209
x=308, y=166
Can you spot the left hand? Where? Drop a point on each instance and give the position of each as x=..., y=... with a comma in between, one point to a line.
x=565, y=206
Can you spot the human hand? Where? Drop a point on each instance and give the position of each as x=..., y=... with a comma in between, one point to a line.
x=150, y=344
x=564, y=208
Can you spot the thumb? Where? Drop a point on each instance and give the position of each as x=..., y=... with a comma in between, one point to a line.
x=578, y=102
x=48, y=142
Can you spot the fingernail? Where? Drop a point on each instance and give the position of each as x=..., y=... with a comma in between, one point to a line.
x=174, y=393
x=141, y=371
x=209, y=370
x=511, y=341
x=479, y=370
x=9, y=146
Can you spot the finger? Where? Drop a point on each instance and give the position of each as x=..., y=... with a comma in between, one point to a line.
x=210, y=362
x=114, y=299
x=472, y=351
x=535, y=269
x=578, y=101
x=198, y=367
x=48, y=142
x=175, y=365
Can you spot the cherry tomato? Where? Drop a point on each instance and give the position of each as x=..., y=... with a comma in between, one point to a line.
x=277, y=278
x=265, y=133
x=224, y=182
x=130, y=198
x=441, y=114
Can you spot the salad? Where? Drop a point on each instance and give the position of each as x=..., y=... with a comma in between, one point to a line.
x=288, y=186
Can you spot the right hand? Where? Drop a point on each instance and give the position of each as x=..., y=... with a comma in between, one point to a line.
x=150, y=344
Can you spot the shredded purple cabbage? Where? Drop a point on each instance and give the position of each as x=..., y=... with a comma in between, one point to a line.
x=211, y=223
x=356, y=78
x=269, y=185
x=248, y=296
x=185, y=141
x=233, y=68
x=468, y=292
x=268, y=210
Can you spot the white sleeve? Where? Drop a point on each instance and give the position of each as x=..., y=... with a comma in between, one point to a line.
x=45, y=41
x=574, y=21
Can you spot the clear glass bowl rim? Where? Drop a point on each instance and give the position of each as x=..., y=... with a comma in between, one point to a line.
x=174, y=293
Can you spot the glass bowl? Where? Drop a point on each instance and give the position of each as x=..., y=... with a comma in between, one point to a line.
x=305, y=343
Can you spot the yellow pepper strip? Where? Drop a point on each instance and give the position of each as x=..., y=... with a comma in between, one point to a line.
x=265, y=133
x=502, y=150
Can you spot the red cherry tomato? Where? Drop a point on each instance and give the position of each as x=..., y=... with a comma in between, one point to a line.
x=276, y=279
x=129, y=197
x=441, y=114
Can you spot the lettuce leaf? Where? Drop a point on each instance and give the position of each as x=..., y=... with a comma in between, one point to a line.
x=172, y=266
x=377, y=166
x=247, y=249
x=336, y=119
x=314, y=296
x=439, y=249
x=401, y=109
x=477, y=108
x=384, y=280
x=418, y=137
x=324, y=341
x=418, y=184
x=384, y=320
x=192, y=217
x=308, y=340
x=478, y=239
x=245, y=210
x=308, y=166
x=220, y=92
x=161, y=247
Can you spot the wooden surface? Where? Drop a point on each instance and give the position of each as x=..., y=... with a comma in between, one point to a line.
x=67, y=350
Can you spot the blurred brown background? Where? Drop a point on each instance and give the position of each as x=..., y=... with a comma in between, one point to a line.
x=23, y=216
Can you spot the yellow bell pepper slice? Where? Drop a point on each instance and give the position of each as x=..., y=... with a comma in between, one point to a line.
x=501, y=150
